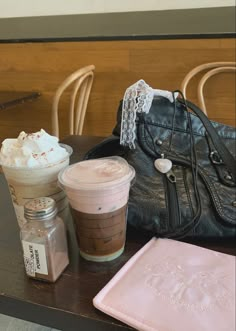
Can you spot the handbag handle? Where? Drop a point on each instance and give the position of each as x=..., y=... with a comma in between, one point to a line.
x=220, y=147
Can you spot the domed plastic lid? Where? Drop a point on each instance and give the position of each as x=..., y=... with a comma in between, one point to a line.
x=94, y=174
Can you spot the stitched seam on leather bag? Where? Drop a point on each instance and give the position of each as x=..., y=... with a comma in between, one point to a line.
x=157, y=124
x=216, y=198
x=178, y=200
x=166, y=202
x=187, y=191
x=218, y=203
x=210, y=187
x=170, y=128
x=143, y=137
x=213, y=192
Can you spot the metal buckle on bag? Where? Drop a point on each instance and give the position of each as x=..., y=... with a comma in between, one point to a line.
x=215, y=158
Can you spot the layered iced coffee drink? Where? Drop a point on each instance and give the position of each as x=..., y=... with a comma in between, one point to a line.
x=31, y=164
x=98, y=192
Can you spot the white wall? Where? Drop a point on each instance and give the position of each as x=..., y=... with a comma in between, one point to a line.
x=21, y=8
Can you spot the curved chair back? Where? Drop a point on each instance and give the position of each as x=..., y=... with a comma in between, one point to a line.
x=214, y=68
x=83, y=80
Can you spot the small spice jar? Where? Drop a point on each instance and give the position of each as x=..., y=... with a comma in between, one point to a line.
x=43, y=240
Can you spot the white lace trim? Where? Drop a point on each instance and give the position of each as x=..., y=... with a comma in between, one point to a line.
x=138, y=98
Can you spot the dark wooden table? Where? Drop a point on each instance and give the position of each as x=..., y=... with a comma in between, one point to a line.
x=67, y=304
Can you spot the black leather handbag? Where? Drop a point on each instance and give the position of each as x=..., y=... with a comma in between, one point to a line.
x=197, y=197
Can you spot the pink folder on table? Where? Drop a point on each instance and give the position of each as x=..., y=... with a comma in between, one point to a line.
x=173, y=286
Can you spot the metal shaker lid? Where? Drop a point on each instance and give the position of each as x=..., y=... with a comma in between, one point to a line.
x=40, y=209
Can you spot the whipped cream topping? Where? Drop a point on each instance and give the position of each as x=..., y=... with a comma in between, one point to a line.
x=32, y=150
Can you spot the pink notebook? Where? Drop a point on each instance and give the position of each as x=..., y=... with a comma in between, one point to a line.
x=173, y=286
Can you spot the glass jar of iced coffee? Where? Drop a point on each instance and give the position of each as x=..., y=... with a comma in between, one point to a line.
x=43, y=240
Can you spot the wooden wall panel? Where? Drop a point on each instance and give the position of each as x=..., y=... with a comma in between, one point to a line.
x=162, y=63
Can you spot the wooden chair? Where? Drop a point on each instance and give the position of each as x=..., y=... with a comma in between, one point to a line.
x=213, y=69
x=82, y=80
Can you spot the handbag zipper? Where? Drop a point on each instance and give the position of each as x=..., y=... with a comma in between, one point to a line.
x=174, y=214
x=181, y=162
x=172, y=201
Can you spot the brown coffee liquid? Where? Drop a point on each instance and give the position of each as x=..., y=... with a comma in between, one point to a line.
x=101, y=234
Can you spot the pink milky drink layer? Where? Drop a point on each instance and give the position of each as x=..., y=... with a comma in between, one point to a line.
x=97, y=186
